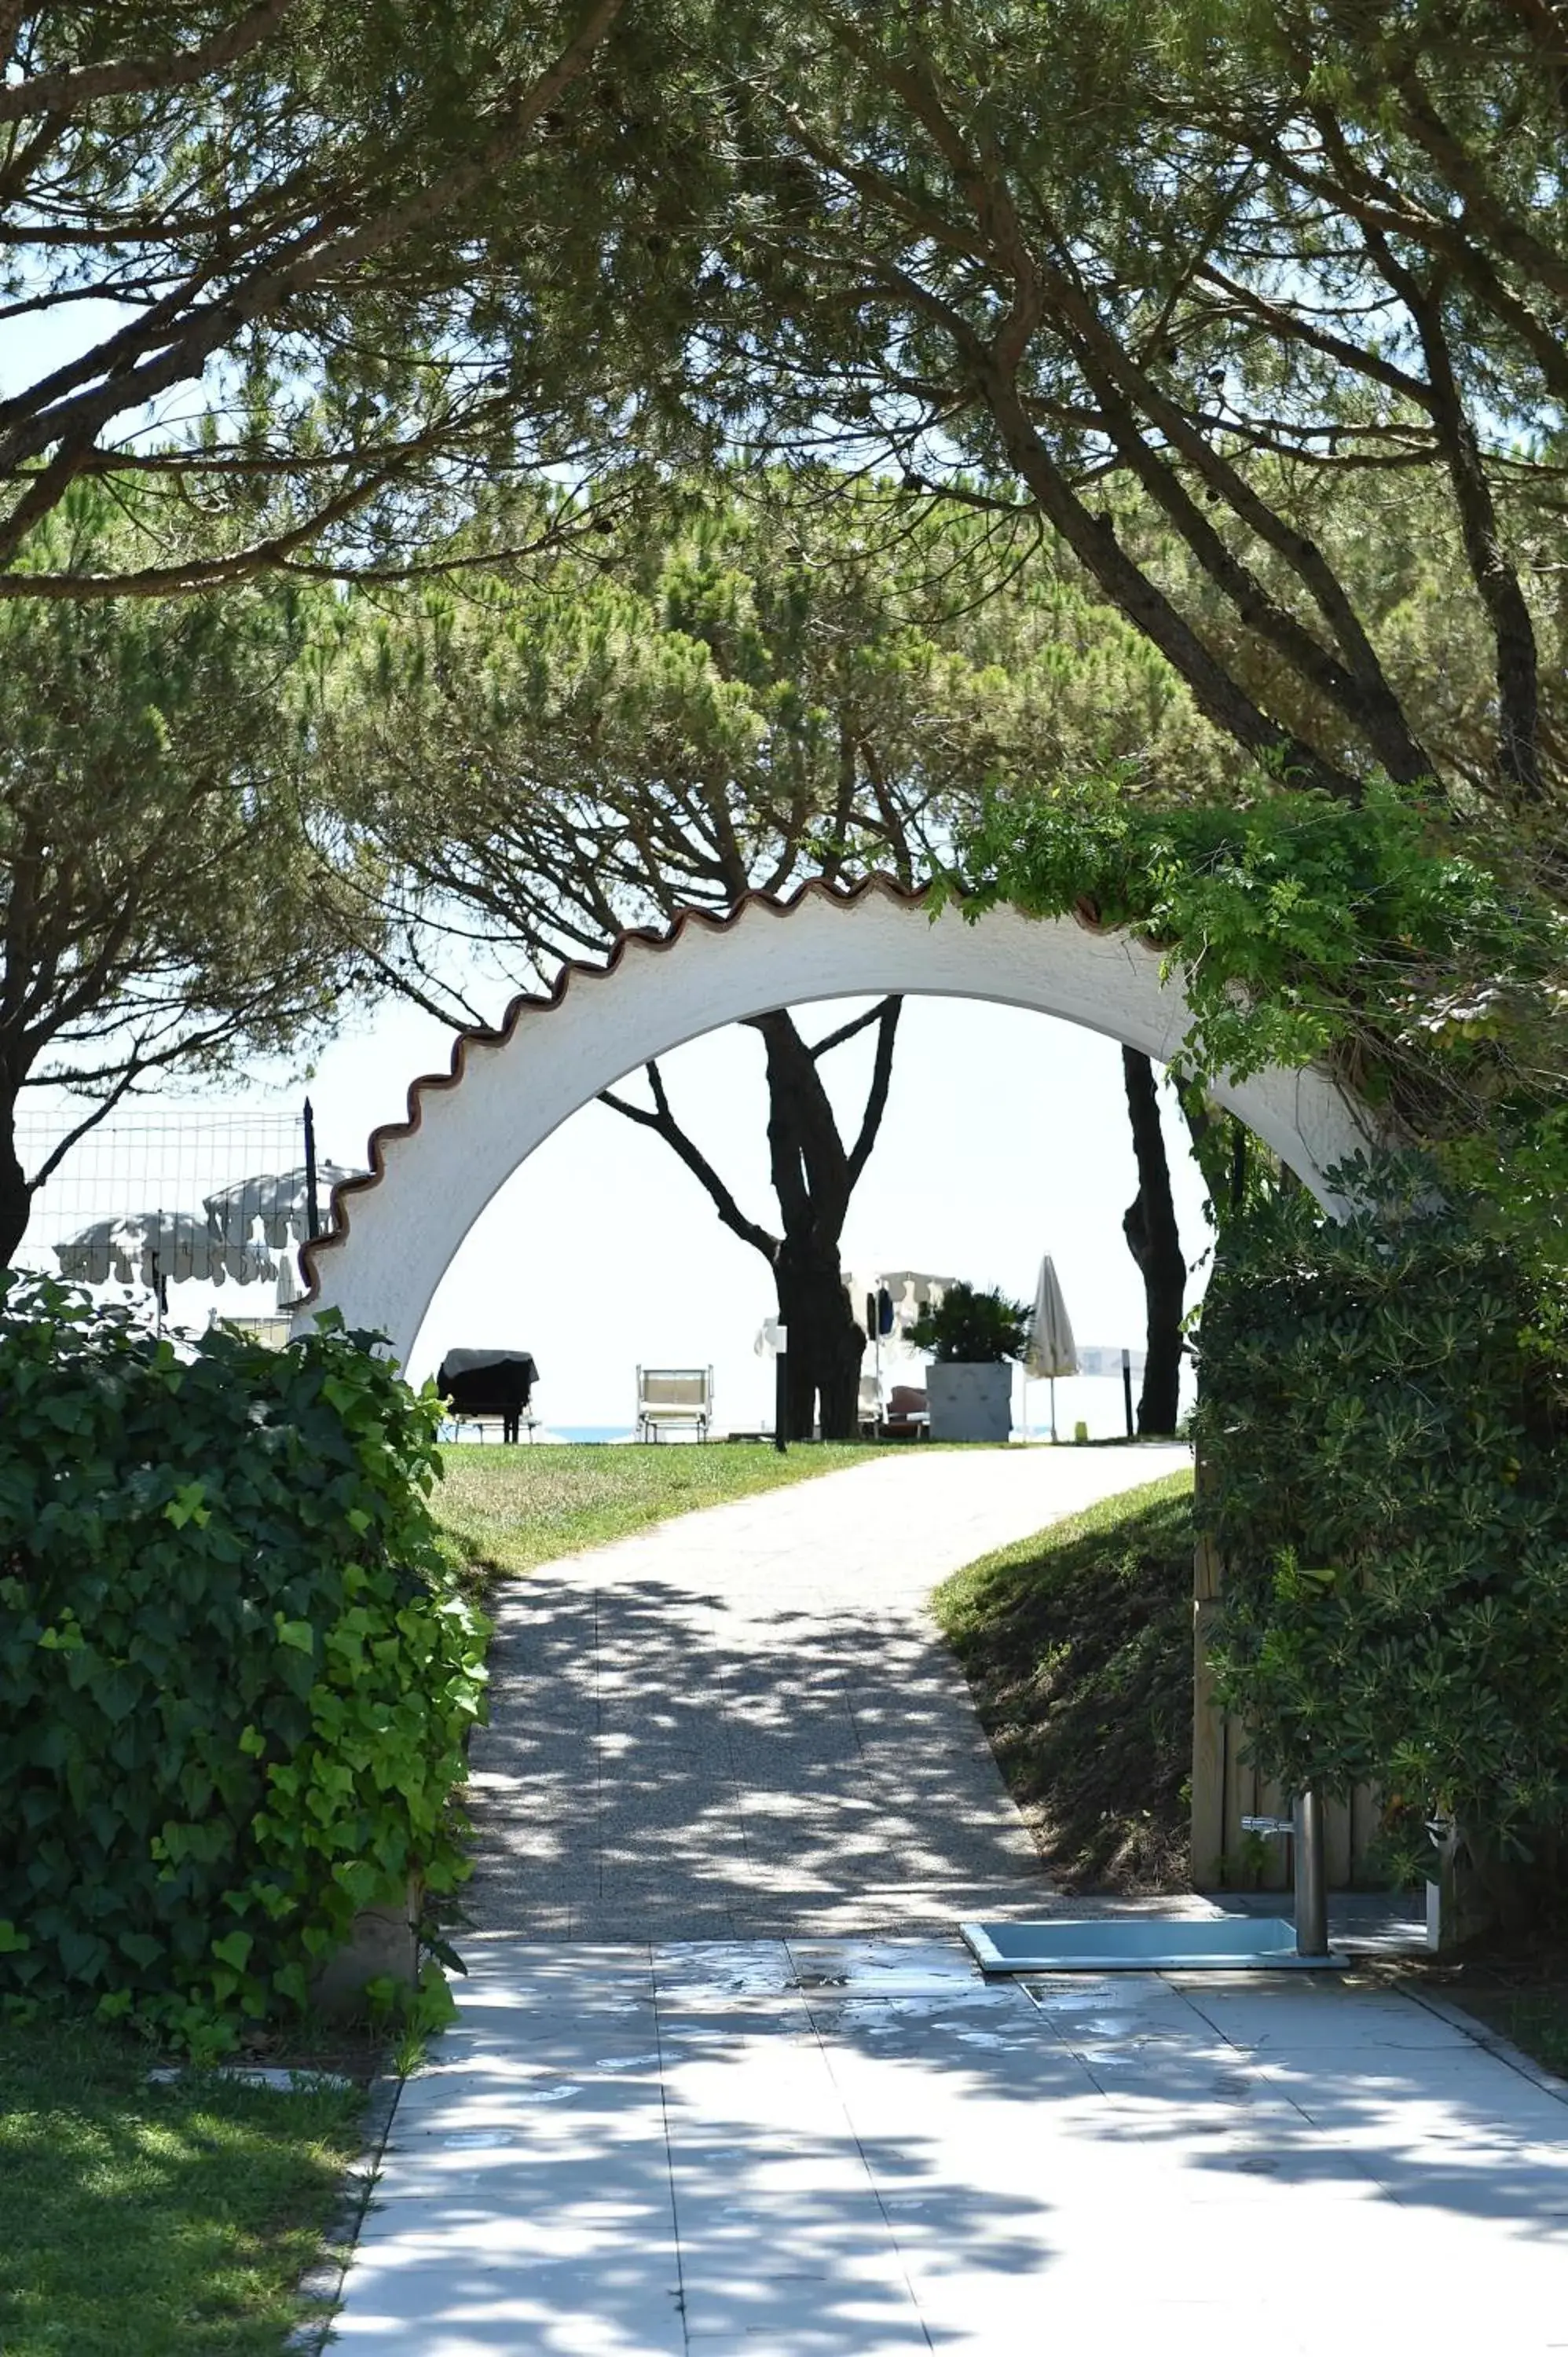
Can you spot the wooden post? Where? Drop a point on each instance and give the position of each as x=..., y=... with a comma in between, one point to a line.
x=1278, y=1869
x=1336, y=1844
x=1366, y=1823
x=1208, y=1730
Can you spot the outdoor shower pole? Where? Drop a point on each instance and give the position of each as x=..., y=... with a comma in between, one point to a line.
x=1311, y=1891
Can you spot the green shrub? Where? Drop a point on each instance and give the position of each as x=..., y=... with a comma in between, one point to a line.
x=967, y=1328
x=1383, y=1418
x=236, y=1678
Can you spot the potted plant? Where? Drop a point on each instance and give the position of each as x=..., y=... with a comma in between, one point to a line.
x=973, y=1339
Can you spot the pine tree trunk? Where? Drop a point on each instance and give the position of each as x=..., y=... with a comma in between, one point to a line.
x=814, y=1181
x=825, y=1345
x=1150, y=1228
x=814, y=1176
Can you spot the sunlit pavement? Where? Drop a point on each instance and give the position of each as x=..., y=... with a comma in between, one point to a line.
x=841, y=2149
x=683, y=2112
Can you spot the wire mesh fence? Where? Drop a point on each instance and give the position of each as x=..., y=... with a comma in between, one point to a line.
x=165, y=1159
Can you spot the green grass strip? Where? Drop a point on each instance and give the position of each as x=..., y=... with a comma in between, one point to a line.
x=506, y=1510
x=1077, y=1644
x=1534, y=2018
x=154, y=2222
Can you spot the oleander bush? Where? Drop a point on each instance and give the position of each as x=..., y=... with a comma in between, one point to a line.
x=1383, y=1434
x=236, y=1673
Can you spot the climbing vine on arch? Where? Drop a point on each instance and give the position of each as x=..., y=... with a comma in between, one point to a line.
x=1367, y=937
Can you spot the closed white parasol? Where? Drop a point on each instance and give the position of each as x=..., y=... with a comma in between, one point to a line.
x=1052, y=1350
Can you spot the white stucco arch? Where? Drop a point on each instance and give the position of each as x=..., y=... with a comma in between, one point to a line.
x=394, y=1233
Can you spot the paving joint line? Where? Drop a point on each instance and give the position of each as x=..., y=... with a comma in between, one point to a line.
x=669, y=2152
x=892, y=2230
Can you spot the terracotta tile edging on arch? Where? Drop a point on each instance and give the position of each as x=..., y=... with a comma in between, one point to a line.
x=481, y=1035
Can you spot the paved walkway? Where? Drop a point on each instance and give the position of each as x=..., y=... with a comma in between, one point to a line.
x=817, y=2145
x=745, y=1721
x=842, y=2150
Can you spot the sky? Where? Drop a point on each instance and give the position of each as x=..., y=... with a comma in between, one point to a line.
x=1006, y=1137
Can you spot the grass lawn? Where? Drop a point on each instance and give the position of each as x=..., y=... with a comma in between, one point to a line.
x=1516, y=1985
x=1533, y=2012
x=508, y=1509
x=1077, y=1644
x=154, y=2222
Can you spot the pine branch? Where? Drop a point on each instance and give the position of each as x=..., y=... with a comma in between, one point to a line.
x=877, y=1097
x=662, y=1122
x=69, y=88
x=848, y=1030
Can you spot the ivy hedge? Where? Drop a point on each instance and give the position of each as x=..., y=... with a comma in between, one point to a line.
x=1382, y=1422
x=236, y=1673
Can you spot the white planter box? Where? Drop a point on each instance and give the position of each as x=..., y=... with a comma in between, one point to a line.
x=969, y=1403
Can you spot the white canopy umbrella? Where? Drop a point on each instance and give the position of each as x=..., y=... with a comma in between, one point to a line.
x=159, y=1248
x=912, y=1290
x=908, y=1291
x=1052, y=1350
x=276, y=1202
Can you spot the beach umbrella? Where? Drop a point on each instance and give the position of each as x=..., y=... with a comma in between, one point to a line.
x=276, y=1201
x=911, y=1290
x=888, y=1301
x=1052, y=1350
x=159, y=1248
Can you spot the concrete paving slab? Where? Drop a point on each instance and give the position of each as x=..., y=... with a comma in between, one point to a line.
x=851, y=2147
x=1371, y=2019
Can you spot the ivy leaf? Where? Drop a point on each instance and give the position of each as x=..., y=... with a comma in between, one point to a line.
x=186, y=1506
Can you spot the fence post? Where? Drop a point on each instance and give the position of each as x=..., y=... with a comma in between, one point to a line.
x=312, y=1212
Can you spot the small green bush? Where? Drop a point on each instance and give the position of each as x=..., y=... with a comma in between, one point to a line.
x=236, y=1677
x=1382, y=1420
